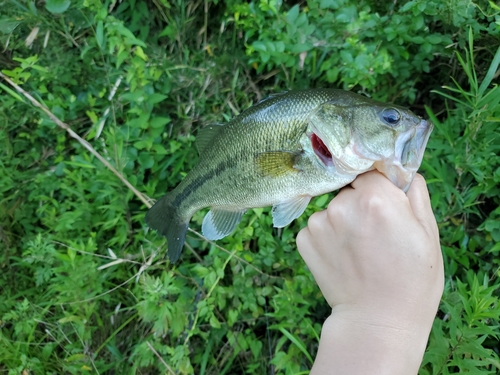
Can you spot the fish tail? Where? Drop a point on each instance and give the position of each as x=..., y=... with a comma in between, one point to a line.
x=164, y=218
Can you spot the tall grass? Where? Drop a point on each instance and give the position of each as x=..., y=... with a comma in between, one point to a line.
x=86, y=288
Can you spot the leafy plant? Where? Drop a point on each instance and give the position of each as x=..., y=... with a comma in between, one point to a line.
x=86, y=287
x=377, y=46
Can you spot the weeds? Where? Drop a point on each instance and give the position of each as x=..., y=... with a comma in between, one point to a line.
x=87, y=289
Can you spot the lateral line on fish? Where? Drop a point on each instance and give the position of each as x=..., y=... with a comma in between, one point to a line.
x=202, y=179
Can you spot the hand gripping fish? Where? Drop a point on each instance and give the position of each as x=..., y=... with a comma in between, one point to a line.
x=282, y=152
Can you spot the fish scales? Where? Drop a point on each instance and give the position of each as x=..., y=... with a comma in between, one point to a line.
x=227, y=189
x=283, y=151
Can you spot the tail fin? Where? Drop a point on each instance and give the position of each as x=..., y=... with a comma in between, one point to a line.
x=163, y=218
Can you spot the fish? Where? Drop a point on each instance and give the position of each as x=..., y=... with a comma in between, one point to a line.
x=285, y=150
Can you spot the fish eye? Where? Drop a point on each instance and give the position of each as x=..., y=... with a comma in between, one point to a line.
x=391, y=116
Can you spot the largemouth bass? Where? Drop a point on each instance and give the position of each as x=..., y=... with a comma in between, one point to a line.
x=282, y=152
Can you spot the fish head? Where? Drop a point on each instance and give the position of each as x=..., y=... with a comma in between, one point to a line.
x=364, y=134
x=394, y=138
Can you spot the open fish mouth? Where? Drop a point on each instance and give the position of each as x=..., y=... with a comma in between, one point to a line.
x=413, y=152
x=408, y=153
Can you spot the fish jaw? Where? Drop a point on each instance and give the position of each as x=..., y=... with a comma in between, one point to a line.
x=408, y=154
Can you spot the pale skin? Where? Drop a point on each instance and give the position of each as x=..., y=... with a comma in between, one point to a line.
x=376, y=257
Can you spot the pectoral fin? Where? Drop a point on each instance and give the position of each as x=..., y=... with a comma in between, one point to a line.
x=277, y=163
x=285, y=212
x=218, y=224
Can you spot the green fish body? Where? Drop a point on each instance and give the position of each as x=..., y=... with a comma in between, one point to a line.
x=282, y=152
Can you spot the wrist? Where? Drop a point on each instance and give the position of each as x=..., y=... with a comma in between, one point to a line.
x=359, y=345
x=399, y=318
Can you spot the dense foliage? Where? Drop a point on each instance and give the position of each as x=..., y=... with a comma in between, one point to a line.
x=86, y=288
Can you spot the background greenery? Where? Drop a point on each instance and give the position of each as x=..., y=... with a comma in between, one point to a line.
x=85, y=288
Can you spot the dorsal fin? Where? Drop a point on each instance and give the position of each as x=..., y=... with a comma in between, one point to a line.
x=206, y=136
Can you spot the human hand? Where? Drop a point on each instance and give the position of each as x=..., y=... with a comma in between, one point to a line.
x=376, y=257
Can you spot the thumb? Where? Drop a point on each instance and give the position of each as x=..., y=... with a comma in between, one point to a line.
x=420, y=203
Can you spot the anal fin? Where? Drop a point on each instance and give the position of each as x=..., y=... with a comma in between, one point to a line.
x=218, y=223
x=285, y=212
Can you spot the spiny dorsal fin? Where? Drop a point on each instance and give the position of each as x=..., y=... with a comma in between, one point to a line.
x=206, y=136
x=277, y=163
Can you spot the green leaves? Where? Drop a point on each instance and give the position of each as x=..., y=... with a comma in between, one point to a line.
x=297, y=342
x=96, y=290
x=459, y=339
x=99, y=34
x=57, y=6
x=463, y=161
x=292, y=14
x=360, y=46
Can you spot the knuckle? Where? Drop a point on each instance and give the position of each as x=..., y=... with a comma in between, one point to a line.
x=335, y=211
x=315, y=222
x=419, y=179
x=302, y=238
x=373, y=202
x=381, y=205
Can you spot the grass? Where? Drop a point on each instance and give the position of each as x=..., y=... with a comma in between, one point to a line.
x=87, y=289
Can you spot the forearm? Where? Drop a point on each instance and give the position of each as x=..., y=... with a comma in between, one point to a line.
x=353, y=348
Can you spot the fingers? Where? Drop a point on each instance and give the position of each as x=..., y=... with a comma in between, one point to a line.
x=308, y=240
x=418, y=195
x=369, y=192
x=376, y=181
x=303, y=242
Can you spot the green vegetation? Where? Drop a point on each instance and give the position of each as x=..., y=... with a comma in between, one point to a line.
x=85, y=287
